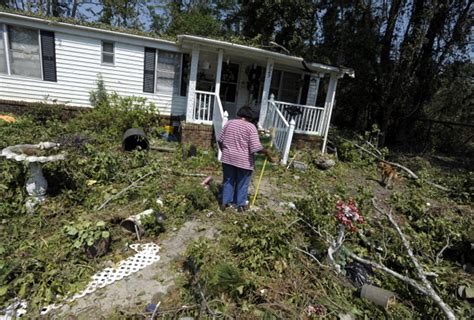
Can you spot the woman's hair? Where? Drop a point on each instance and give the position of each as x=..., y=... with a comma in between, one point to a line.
x=249, y=114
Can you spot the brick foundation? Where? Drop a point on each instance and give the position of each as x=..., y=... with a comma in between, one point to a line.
x=197, y=134
x=304, y=141
x=40, y=108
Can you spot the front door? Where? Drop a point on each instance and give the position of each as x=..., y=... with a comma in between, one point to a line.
x=230, y=88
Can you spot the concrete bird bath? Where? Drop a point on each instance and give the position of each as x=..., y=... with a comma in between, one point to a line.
x=36, y=185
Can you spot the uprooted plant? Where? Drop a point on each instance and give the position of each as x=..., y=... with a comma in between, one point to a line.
x=347, y=215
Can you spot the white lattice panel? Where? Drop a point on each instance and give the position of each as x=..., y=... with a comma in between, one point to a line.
x=146, y=255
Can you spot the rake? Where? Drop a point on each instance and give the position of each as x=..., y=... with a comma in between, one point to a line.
x=272, y=136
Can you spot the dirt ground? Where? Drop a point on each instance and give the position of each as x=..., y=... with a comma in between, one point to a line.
x=141, y=287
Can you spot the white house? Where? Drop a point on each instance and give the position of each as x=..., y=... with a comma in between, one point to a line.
x=204, y=80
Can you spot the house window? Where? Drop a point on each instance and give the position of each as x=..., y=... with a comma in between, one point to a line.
x=24, y=52
x=290, y=88
x=108, y=52
x=229, y=78
x=3, y=56
x=168, y=72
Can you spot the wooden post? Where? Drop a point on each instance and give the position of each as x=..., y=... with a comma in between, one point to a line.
x=192, y=84
x=220, y=58
x=289, y=139
x=266, y=92
x=328, y=106
x=224, y=120
x=313, y=89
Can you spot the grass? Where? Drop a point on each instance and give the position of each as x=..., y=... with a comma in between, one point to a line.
x=253, y=270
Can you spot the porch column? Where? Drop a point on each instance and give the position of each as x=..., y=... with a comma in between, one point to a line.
x=328, y=105
x=192, y=84
x=220, y=58
x=313, y=89
x=266, y=92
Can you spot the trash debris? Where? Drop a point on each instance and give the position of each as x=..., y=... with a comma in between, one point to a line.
x=191, y=152
x=99, y=248
x=134, y=138
x=379, y=296
x=133, y=224
x=318, y=309
x=146, y=254
x=465, y=292
x=150, y=307
x=6, y=118
x=346, y=316
x=169, y=137
x=205, y=183
x=289, y=205
x=14, y=311
x=358, y=273
x=298, y=165
x=324, y=164
x=210, y=214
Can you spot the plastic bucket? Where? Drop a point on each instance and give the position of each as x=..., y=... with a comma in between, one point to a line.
x=379, y=296
x=169, y=129
x=133, y=223
x=134, y=138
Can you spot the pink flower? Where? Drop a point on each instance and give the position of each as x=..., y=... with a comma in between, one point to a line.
x=348, y=214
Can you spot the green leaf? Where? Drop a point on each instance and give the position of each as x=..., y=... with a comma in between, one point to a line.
x=100, y=224
x=240, y=289
x=3, y=290
x=90, y=242
x=72, y=231
x=105, y=234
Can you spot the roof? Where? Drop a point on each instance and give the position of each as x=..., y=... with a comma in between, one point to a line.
x=148, y=39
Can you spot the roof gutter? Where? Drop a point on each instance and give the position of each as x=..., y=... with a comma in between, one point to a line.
x=310, y=67
x=79, y=27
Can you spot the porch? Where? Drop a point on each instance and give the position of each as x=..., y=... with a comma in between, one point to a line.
x=283, y=89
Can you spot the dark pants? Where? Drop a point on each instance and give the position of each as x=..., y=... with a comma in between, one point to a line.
x=235, y=188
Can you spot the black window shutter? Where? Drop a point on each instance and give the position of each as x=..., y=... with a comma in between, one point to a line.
x=149, y=70
x=48, y=54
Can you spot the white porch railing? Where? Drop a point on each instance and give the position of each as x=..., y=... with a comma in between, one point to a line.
x=310, y=121
x=219, y=118
x=204, y=105
x=283, y=130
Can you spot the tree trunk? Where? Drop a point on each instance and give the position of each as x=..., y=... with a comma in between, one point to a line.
x=74, y=9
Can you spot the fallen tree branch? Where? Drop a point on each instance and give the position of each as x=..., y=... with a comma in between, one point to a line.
x=132, y=185
x=397, y=275
x=335, y=246
x=438, y=256
x=410, y=173
x=311, y=256
x=154, y=311
x=429, y=291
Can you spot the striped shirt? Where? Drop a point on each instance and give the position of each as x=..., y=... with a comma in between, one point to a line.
x=239, y=139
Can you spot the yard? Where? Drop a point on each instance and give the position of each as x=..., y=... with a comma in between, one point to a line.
x=270, y=262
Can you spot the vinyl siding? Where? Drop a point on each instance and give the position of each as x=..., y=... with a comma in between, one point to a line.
x=78, y=63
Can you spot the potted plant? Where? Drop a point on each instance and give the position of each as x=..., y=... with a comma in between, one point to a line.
x=94, y=239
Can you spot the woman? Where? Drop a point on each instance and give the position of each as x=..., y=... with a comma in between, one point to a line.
x=239, y=142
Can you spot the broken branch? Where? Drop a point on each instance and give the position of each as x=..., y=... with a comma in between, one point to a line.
x=410, y=173
x=438, y=256
x=132, y=185
x=311, y=256
x=429, y=291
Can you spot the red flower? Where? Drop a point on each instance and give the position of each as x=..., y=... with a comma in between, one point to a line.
x=347, y=214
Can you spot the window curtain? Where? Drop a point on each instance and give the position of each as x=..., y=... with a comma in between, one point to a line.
x=168, y=73
x=24, y=52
